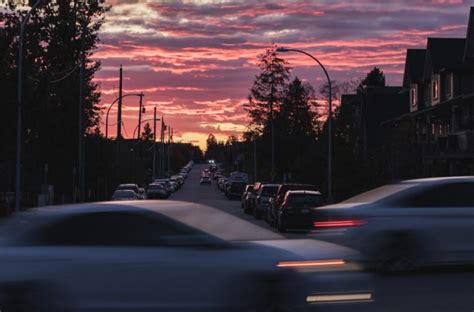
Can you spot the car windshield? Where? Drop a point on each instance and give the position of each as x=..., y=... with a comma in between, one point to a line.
x=269, y=190
x=305, y=200
x=379, y=193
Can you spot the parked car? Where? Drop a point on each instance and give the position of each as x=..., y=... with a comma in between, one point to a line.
x=262, y=199
x=129, y=186
x=141, y=193
x=166, y=183
x=235, y=190
x=407, y=225
x=222, y=184
x=205, y=180
x=271, y=214
x=174, y=186
x=124, y=195
x=296, y=211
x=112, y=257
x=157, y=191
x=244, y=198
x=252, y=197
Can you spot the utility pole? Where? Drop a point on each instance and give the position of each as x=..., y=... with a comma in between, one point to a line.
x=169, y=147
x=20, y=106
x=140, y=111
x=119, y=125
x=255, y=159
x=162, y=148
x=81, y=162
x=154, y=144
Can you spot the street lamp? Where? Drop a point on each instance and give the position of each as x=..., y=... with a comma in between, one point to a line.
x=142, y=109
x=20, y=105
x=285, y=50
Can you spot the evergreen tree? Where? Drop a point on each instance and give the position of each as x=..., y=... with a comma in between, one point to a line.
x=375, y=78
x=56, y=35
x=268, y=88
x=147, y=133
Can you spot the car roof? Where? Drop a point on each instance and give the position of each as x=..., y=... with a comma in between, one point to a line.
x=124, y=191
x=299, y=192
x=271, y=185
x=440, y=179
x=204, y=218
x=128, y=185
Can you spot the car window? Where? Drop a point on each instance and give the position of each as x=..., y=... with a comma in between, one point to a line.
x=301, y=200
x=448, y=195
x=116, y=229
x=269, y=190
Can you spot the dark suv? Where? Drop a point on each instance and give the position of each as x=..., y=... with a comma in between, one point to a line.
x=271, y=214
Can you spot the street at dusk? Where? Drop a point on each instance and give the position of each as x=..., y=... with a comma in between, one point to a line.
x=230, y=155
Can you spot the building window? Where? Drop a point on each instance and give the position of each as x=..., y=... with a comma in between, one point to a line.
x=414, y=95
x=435, y=87
x=449, y=86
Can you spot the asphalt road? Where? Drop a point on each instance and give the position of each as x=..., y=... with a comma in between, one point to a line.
x=447, y=290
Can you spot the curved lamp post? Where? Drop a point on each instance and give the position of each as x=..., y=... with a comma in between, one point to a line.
x=115, y=101
x=329, y=173
x=20, y=105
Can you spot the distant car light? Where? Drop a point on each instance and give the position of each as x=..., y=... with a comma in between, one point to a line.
x=338, y=223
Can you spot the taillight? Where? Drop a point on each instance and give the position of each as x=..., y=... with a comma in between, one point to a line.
x=338, y=223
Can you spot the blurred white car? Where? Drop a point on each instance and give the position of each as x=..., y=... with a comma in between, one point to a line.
x=149, y=256
x=406, y=225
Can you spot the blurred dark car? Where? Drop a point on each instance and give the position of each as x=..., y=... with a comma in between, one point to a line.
x=407, y=225
x=157, y=191
x=145, y=257
x=271, y=214
x=296, y=210
x=244, y=198
x=235, y=190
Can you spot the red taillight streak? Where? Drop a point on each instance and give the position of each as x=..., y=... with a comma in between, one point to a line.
x=339, y=223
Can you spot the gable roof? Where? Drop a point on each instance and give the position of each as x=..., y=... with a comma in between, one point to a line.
x=414, y=66
x=469, y=49
x=443, y=53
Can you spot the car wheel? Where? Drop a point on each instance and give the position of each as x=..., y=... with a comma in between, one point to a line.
x=256, y=213
x=397, y=254
x=29, y=297
x=268, y=292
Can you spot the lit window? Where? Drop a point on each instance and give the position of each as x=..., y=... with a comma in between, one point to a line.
x=435, y=89
x=414, y=95
x=449, y=85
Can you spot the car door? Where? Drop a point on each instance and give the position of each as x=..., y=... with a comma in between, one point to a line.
x=445, y=213
x=132, y=261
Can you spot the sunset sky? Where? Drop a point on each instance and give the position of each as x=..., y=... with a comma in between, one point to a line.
x=196, y=60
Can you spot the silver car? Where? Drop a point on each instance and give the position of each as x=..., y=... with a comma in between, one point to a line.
x=149, y=256
x=407, y=225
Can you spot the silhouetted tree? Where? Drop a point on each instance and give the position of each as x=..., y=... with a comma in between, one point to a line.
x=268, y=89
x=375, y=78
x=55, y=37
x=147, y=133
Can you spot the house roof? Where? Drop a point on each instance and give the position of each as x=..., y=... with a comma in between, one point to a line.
x=414, y=66
x=443, y=53
x=469, y=49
